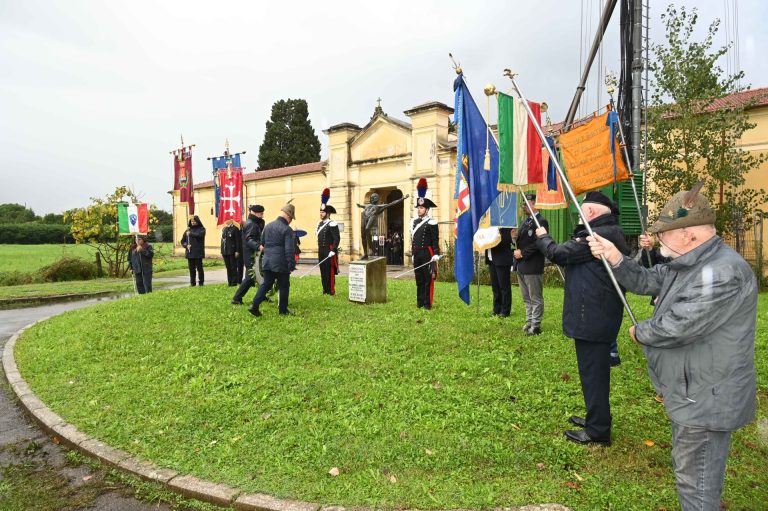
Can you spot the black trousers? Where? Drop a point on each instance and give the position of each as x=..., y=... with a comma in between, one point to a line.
x=196, y=266
x=240, y=268
x=143, y=282
x=284, y=284
x=328, y=270
x=594, y=360
x=424, y=283
x=502, y=289
x=230, y=261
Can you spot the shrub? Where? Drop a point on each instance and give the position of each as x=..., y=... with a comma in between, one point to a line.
x=163, y=233
x=18, y=278
x=34, y=234
x=68, y=268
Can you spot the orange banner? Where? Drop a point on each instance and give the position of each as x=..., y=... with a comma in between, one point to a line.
x=545, y=198
x=587, y=156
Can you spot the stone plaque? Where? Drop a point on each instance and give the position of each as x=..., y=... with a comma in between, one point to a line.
x=368, y=280
x=357, y=282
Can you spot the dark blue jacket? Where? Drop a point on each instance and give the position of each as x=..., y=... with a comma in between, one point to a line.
x=592, y=311
x=279, y=242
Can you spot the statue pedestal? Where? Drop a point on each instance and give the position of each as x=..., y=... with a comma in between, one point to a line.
x=368, y=280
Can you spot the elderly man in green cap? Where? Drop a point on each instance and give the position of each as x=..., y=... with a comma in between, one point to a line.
x=700, y=341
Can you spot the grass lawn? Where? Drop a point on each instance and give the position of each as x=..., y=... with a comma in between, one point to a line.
x=443, y=409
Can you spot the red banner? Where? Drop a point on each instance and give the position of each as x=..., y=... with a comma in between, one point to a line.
x=182, y=177
x=231, y=198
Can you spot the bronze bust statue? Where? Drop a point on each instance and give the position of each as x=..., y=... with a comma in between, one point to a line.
x=370, y=216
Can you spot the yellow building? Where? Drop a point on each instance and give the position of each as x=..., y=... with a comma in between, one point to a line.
x=387, y=156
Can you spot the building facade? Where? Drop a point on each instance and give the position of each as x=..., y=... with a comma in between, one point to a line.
x=387, y=156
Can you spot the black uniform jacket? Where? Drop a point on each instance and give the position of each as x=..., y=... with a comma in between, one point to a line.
x=328, y=238
x=424, y=237
x=532, y=262
x=231, y=240
x=503, y=253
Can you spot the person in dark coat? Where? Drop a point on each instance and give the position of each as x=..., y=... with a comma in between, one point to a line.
x=500, y=259
x=231, y=247
x=328, y=239
x=425, y=248
x=279, y=242
x=140, y=257
x=592, y=312
x=251, y=242
x=530, y=269
x=193, y=241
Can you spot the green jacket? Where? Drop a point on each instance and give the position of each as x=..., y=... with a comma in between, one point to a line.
x=700, y=341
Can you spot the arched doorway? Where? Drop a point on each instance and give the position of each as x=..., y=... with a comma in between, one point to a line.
x=393, y=245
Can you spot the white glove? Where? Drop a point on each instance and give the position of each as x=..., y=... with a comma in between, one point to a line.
x=435, y=258
x=331, y=253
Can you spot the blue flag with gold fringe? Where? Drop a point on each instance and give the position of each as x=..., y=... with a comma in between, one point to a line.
x=475, y=185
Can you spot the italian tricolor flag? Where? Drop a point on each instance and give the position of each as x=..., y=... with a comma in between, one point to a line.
x=519, y=144
x=132, y=218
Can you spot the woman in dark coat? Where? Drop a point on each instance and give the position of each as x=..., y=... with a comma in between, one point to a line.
x=193, y=241
x=140, y=258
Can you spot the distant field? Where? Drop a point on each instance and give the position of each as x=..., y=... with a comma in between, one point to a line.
x=28, y=258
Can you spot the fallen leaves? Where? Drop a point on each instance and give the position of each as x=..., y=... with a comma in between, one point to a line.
x=540, y=466
x=334, y=471
x=649, y=443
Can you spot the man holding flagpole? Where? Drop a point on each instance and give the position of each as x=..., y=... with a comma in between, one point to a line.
x=592, y=313
x=530, y=269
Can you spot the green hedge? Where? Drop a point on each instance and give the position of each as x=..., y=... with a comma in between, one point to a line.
x=34, y=234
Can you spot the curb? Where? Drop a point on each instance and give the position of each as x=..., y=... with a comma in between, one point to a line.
x=187, y=485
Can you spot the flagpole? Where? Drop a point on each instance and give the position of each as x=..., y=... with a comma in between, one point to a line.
x=611, y=84
x=572, y=196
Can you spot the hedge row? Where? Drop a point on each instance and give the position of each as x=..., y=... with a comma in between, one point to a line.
x=40, y=234
x=34, y=234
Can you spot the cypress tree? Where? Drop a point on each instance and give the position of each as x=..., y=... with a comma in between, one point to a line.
x=290, y=138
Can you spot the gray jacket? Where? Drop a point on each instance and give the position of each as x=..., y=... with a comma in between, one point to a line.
x=700, y=342
x=279, y=242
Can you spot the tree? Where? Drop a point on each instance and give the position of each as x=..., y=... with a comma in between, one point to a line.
x=16, y=214
x=692, y=136
x=290, y=138
x=53, y=218
x=163, y=217
x=96, y=226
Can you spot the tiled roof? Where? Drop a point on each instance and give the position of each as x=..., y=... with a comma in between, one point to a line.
x=759, y=97
x=266, y=174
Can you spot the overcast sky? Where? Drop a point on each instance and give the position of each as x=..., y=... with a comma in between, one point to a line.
x=95, y=94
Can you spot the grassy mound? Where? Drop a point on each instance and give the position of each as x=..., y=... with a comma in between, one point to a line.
x=443, y=409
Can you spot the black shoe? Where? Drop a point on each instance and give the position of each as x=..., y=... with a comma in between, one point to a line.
x=287, y=312
x=254, y=311
x=579, y=421
x=236, y=302
x=534, y=330
x=615, y=360
x=581, y=437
